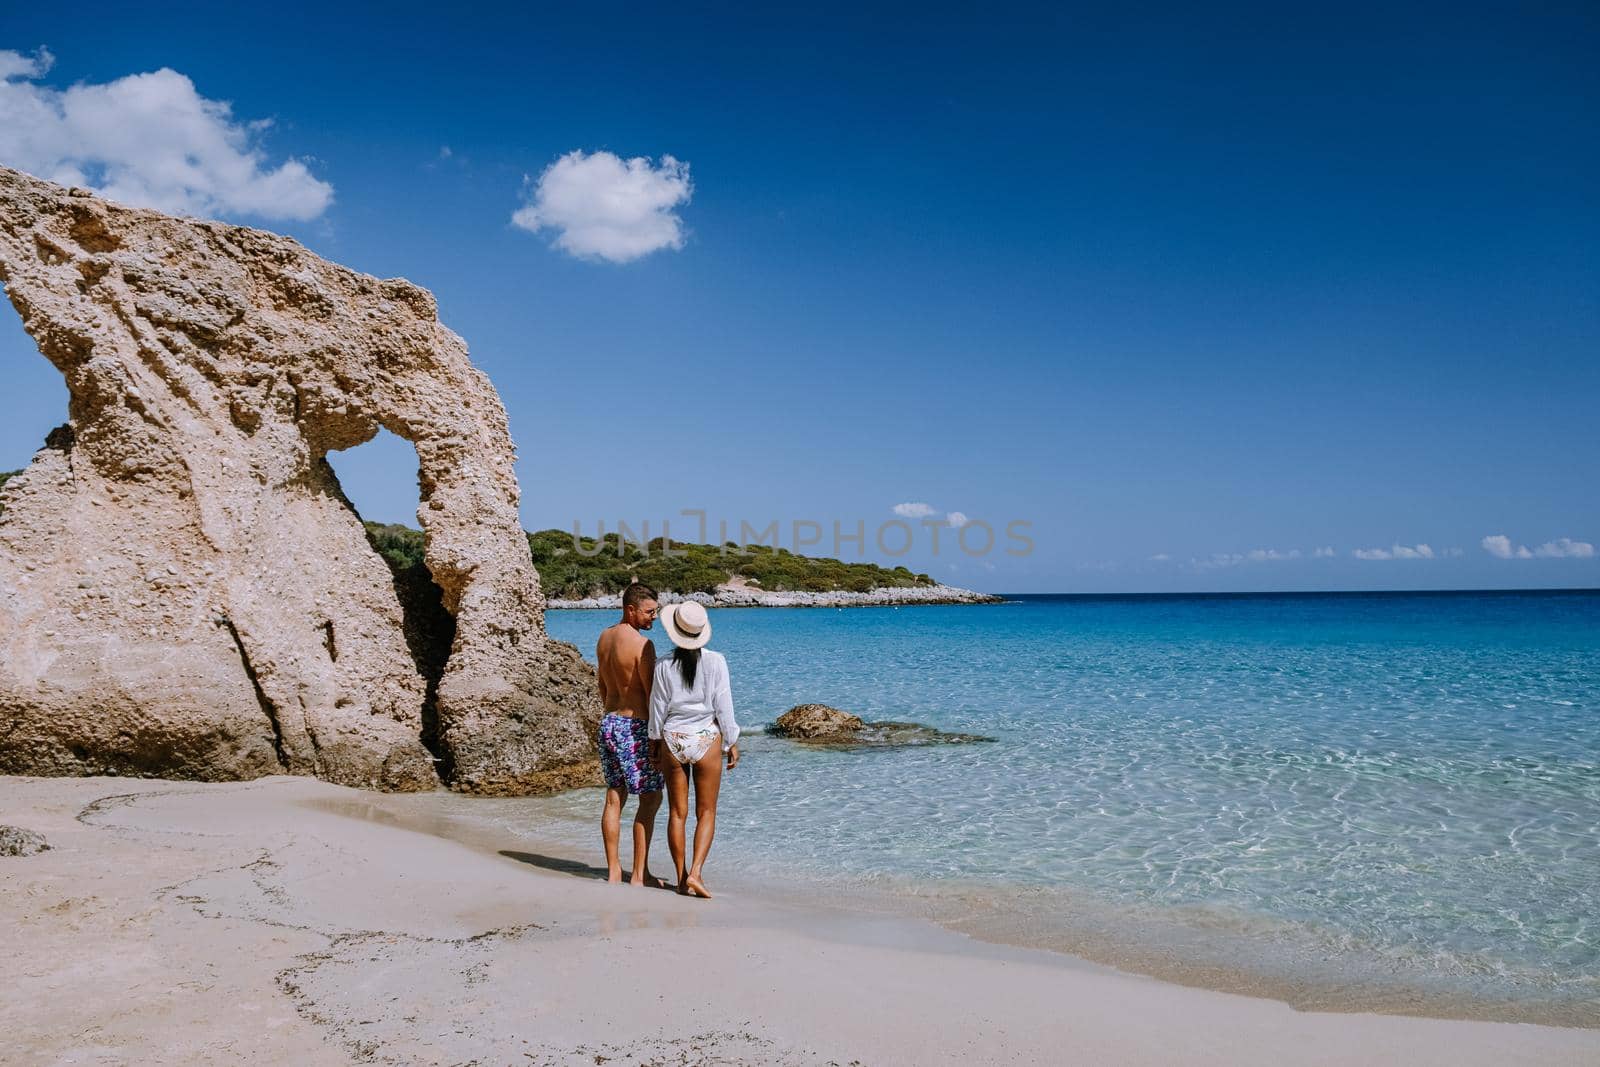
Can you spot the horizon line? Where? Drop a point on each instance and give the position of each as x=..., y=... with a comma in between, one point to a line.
x=1313, y=592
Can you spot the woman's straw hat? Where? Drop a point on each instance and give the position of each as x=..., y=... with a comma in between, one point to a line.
x=686, y=624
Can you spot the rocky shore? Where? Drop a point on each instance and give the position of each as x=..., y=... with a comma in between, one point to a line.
x=732, y=596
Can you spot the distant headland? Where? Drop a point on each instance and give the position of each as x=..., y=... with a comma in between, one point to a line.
x=588, y=572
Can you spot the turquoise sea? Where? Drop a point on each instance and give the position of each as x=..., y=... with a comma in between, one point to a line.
x=1396, y=791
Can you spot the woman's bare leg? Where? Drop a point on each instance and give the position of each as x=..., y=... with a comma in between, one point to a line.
x=707, y=783
x=677, y=776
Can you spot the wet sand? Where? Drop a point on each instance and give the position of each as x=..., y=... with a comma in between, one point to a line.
x=294, y=921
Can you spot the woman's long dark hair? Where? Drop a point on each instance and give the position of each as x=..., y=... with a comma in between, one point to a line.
x=688, y=660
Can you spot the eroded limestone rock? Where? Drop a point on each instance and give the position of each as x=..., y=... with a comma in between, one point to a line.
x=184, y=589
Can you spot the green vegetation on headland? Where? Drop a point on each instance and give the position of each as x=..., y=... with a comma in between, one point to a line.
x=598, y=566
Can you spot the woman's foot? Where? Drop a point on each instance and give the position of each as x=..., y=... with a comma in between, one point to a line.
x=649, y=881
x=694, y=887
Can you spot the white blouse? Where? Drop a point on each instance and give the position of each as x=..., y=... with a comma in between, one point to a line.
x=706, y=705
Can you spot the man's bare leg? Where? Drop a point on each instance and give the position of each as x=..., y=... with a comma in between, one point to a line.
x=644, y=828
x=677, y=777
x=611, y=831
x=707, y=784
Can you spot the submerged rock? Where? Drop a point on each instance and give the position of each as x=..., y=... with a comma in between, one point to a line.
x=185, y=590
x=15, y=841
x=819, y=724
x=909, y=733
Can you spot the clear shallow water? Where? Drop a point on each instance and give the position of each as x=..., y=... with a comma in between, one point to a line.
x=1403, y=785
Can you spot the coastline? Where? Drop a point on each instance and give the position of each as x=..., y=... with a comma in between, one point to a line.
x=746, y=596
x=1204, y=947
x=290, y=919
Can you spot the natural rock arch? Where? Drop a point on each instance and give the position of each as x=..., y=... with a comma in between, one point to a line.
x=185, y=591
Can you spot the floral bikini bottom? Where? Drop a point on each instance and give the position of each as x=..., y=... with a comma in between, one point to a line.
x=691, y=746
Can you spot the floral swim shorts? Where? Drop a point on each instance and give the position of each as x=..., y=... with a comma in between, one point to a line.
x=624, y=748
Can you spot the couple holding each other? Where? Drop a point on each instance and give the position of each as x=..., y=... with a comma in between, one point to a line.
x=664, y=720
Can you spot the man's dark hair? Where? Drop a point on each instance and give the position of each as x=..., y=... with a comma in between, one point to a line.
x=636, y=593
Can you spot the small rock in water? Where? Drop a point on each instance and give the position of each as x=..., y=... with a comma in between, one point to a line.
x=819, y=724
x=816, y=722
x=15, y=841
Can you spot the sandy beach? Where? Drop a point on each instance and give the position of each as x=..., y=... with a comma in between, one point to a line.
x=290, y=920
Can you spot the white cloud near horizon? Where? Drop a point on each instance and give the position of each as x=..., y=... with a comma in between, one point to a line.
x=1255, y=555
x=1500, y=547
x=956, y=519
x=1420, y=551
x=601, y=206
x=1325, y=552
x=148, y=140
x=913, y=510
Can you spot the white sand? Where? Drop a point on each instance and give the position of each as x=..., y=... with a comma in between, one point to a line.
x=190, y=923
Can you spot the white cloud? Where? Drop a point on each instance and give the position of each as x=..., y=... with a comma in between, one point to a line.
x=956, y=519
x=1255, y=555
x=17, y=65
x=1565, y=548
x=1160, y=557
x=1500, y=547
x=1325, y=552
x=913, y=510
x=1395, y=552
x=604, y=207
x=150, y=140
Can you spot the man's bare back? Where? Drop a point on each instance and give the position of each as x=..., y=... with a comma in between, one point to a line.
x=625, y=662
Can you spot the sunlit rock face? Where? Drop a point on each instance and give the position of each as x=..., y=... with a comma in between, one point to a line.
x=184, y=589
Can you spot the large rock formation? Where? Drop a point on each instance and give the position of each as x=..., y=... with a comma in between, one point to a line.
x=184, y=589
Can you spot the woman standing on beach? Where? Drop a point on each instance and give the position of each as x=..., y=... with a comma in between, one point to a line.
x=691, y=727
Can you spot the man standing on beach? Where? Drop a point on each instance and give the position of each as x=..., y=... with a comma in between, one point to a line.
x=626, y=662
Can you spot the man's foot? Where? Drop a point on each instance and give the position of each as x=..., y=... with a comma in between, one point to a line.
x=694, y=887
x=649, y=881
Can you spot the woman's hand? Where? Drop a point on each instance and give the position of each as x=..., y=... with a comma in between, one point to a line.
x=733, y=756
x=652, y=754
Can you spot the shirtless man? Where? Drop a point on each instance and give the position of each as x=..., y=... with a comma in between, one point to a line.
x=626, y=665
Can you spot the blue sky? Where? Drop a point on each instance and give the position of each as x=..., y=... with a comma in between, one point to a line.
x=1227, y=288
